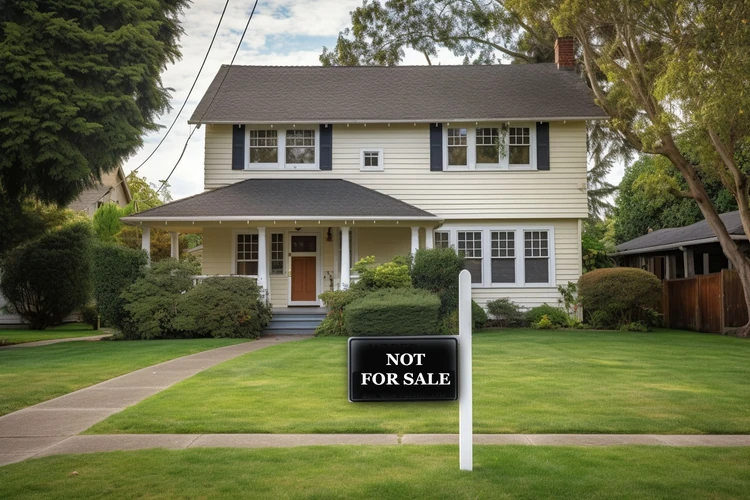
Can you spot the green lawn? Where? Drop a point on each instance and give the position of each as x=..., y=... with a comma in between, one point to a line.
x=524, y=382
x=35, y=374
x=19, y=336
x=387, y=472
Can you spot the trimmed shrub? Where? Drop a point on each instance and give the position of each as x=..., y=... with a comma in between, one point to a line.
x=48, y=278
x=545, y=323
x=436, y=270
x=333, y=323
x=222, y=306
x=394, y=274
x=618, y=296
x=402, y=311
x=449, y=322
x=151, y=302
x=555, y=315
x=508, y=313
x=114, y=269
x=478, y=316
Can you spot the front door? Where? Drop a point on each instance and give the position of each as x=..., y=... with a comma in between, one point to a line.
x=304, y=268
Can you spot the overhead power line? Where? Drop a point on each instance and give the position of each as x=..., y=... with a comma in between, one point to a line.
x=200, y=120
x=187, y=97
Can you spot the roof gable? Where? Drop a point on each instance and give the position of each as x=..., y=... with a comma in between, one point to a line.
x=317, y=94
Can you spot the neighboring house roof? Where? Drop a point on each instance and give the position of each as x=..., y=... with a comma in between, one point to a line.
x=675, y=237
x=317, y=94
x=90, y=196
x=299, y=199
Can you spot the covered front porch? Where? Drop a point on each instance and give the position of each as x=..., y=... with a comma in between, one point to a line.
x=294, y=256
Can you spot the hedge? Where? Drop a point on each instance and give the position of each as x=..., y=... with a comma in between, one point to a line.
x=333, y=324
x=389, y=312
x=618, y=296
x=436, y=270
x=49, y=277
x=114, y=269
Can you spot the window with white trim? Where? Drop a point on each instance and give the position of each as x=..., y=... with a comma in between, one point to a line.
x=536, y=256
x=519, y=146
x=503, y=255
x=488, y=145
x=470, y=248
x=457, y=147
x=277, y=253
x=442, y=239
x=247, y=254
x=371, y=159
x=300, y=147
x=264, y=146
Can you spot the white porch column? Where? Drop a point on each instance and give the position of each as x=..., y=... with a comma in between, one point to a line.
x=345, y=264
x=146, y=243
x=262, y=259
x=414, y=239
x=428, y=243
x=175, y=244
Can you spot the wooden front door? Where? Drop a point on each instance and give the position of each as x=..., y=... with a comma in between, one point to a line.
x=303, y=279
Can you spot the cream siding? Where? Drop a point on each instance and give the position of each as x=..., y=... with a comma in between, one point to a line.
x=557, y=193
x=383, y=243
x=217, y=251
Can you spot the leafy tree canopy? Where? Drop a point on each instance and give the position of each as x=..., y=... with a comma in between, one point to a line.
x=79, y=85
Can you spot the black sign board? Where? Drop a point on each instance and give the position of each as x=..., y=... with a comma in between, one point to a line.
x=403, y=369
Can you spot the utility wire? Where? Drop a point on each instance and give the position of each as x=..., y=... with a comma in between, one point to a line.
x=200, y=120
x=184, y=103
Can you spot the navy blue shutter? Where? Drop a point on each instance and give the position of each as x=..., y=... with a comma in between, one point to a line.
x=542, y=146
x=238, y=147
x=436, y=147
x=326, y=147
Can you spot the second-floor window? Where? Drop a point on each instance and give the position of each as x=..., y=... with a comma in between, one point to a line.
x=264, y=146
x=300, y=146
x=490, y=147
x=280, y=147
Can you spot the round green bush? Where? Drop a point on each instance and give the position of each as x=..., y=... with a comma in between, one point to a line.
x=48, y=278
x=555, y=315
x=618, y=296
x=478, y=316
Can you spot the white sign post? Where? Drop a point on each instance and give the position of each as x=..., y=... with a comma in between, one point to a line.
x=465, y=422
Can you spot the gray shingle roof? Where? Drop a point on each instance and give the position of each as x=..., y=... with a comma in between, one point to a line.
x=268, y=198
x=258, y=94
x=678, y=236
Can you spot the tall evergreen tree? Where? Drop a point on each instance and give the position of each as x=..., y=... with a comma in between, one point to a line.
x=79, y=85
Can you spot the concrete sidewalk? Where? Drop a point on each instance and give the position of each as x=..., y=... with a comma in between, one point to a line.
x=27, y=432
x=38, y=343
x=41, y=446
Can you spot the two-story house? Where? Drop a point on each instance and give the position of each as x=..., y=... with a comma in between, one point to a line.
x=308, y=169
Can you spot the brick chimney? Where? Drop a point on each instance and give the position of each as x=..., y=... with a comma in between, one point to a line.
x=565, y=53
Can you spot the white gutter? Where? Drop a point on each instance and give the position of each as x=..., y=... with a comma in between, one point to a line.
x=421, y=120
x=673, y=246
x=243, y=218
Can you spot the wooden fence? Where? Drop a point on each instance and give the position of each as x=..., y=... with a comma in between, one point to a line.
x=710, y=303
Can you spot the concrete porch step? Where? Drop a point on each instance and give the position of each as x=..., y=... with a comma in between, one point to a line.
x=302, y=321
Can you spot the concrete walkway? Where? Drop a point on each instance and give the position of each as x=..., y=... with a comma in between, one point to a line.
x=27, y=432
x=54, y=341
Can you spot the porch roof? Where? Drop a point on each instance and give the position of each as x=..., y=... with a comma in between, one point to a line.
x=671, y=238
x=285, y=199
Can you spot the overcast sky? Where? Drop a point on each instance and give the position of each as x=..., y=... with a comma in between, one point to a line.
x=282, y=33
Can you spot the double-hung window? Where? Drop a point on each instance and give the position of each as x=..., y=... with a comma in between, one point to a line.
x=300, y=147
x=519, y=147
x=441, y=239
x=277, y=253
x=458, y=147
x=264, y=146
x=503, y=249
x=247, y=254
x=470, y=247
x=536, y=256
x=488, y=145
